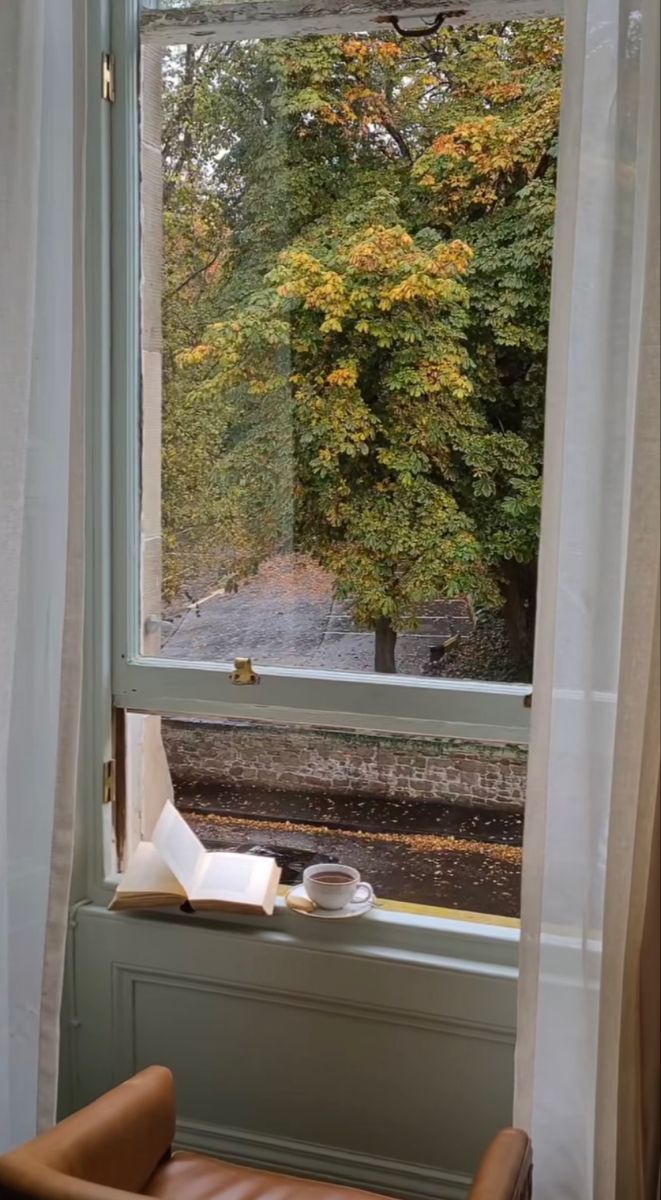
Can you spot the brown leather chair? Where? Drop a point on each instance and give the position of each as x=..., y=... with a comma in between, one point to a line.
x=119, y=1148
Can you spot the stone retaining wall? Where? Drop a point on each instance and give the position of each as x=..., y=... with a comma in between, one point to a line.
x=297, y=759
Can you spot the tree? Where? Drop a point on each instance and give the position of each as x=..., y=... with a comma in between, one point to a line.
x=382, y=412
x=372, y=377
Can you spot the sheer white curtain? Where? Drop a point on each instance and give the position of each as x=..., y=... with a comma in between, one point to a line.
x=41, y=532
x=594, y=764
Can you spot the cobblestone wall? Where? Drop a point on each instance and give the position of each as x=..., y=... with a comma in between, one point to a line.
x=298, y=759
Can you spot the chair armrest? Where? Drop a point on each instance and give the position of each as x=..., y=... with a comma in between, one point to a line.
x=29, y=1181
x=505, y=1172
x=107, y=1151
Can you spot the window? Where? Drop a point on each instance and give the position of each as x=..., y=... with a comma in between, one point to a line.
x=200, y=515
x=312, y=470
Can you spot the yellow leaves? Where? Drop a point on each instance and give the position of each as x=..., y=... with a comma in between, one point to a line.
x=333, y=116
x=343, y=377
x=364, y=49
x=379, y=250
x=544, y=120
x=446, y=145
x=382, y=269
x=502, y=92
x=474, y=140
x=194, y=356
x=429, y=276
x=447, y=376
x=414, y=287
x=316, y=286
x=480, y=155
x=354, y=48
x=257, y=386
x=359, y=93
x=301, y=260
x=390, y=51
x=452, y=256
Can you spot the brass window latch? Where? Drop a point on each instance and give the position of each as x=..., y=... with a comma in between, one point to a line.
x=108, y=784
x=108, y=77
x=243, y=672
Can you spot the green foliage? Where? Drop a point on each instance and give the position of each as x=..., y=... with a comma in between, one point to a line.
x=358, y=250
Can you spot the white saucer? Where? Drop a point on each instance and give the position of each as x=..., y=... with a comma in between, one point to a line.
x=354, y=909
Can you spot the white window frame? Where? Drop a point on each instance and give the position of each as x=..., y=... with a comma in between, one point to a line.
x=487, y=711
x=115, y=674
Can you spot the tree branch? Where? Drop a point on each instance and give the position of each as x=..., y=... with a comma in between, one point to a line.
x=193, y=275
x=399, y=140
x=542, y=166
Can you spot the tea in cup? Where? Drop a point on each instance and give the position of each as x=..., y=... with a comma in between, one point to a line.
x=333, y=886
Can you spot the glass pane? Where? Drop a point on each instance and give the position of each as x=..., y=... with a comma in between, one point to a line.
x=346, y=270
x=425, y=820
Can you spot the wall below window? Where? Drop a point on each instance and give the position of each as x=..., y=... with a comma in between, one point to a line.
x=336, y=762
x=353, y=1053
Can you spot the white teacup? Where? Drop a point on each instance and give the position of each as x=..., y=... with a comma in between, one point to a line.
x=331, y=885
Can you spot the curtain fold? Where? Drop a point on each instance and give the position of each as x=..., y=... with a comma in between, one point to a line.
x=586, y=1072
x=41, y=533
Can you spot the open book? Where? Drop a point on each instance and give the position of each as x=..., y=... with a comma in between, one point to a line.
x=174, y=868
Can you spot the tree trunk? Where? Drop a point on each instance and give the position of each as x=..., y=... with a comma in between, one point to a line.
x=385, y=640
x=519, y=587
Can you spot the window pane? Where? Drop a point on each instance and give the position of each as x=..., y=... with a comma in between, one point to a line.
x=346, y=259
x=427, y=821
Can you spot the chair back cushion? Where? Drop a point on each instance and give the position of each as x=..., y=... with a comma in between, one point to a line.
x=116, y=1142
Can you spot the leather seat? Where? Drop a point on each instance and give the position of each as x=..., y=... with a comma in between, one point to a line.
x=119, y=1148
x=196, y=1177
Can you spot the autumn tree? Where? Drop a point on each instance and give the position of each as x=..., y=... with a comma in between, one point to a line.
x=371, y=376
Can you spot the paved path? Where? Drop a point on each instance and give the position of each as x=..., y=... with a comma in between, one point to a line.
x=422, y=853
x=287, y=616
x=477, y=878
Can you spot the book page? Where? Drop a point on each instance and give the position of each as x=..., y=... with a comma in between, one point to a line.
x=241, y=878
x=147, y=874
x=178, y=846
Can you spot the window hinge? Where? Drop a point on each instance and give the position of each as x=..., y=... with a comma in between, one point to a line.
x=108, y=77
x=109, y=781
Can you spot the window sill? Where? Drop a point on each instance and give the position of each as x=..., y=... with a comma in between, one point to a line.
x=393, y=932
